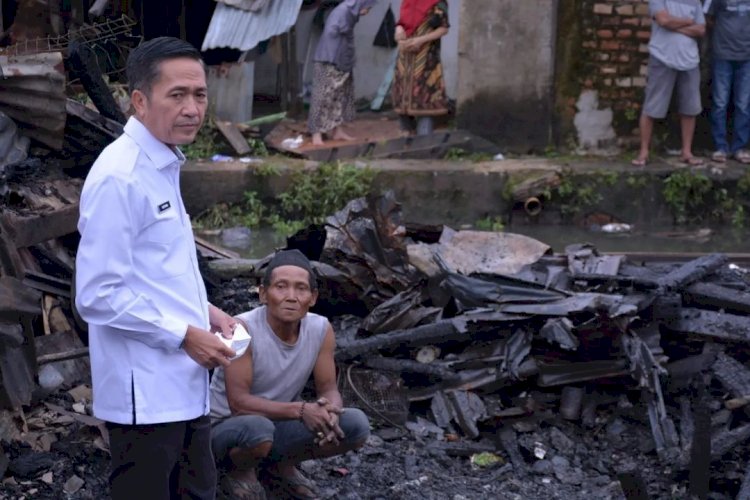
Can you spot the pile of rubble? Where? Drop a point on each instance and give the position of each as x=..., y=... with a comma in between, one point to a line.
x=487, y=330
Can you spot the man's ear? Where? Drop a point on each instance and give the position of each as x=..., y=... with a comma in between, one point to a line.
x=262, y=294
x=138, y=100
x=314, y=297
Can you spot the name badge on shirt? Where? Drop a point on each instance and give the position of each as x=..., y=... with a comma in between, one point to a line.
x=164, y=206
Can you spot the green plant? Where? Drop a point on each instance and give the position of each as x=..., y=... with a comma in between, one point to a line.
x=494, y=223
x=574, y=194
x=687, y=194
x=458, y=154
x=205, y=143
x=315, y=195
x=257, y=147
x=739, y=217
x=631, y=114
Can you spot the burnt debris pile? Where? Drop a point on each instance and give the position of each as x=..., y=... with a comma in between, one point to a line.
x=480, y=335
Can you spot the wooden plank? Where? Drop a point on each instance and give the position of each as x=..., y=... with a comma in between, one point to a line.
x=234, y=137
x=27, y=231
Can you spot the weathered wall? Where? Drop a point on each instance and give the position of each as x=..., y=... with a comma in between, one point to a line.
x=506, y=71
x=603, y=54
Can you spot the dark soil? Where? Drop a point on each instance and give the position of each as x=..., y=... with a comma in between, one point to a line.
x=537, y=455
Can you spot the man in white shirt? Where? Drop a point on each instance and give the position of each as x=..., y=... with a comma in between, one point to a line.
x=139, y=288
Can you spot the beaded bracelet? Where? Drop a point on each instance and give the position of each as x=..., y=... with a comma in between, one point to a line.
x=302, y=410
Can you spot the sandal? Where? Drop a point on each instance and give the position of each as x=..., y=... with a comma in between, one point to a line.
x=639, y=162
x=237, y=489
x=742, y=156
x=719, y=156
x=290, y=486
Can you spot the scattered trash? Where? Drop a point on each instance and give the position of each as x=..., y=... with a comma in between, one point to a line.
x=486, y=459
x=295, y=143
x=617, y=227
x=217, y=158
x=498, y=157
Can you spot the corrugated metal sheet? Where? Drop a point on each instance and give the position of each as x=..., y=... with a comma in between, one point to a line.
x=32, y=93
x=239, y=29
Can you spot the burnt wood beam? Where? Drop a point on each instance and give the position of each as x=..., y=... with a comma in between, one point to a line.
x=713, y=295
x=693, y=271
x=711, y=324
x=30, y=230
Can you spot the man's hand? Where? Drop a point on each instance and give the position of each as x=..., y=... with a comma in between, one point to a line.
x=221, y=321
x=322, y=419
x=328, y=430
x=205, y=348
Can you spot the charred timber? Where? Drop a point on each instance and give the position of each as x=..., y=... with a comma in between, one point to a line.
x=693, y=271
x=717, y=296
x=410, y=366
x=712, y=324
x=413, y=337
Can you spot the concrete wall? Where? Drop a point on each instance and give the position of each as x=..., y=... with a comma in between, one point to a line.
x=372, y=61
x=506, y=71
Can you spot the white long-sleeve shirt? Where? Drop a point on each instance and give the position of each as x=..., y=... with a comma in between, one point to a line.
x=138, y=285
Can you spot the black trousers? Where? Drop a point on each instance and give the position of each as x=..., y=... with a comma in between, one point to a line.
x=162, y=461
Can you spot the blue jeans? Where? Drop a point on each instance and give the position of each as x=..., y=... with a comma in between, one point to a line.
x=291, y=439
x=730, y=78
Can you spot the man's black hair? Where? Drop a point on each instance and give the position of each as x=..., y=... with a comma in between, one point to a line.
x=142, y=68
x=290, y=258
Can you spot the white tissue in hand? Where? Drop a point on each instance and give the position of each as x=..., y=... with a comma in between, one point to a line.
x=239, y=341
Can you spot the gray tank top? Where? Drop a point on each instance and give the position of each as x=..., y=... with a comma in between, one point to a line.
x=280, y=370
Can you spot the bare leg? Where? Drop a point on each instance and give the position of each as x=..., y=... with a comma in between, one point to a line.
x=317, y=139
x=245, y=461
x=646, y=125
x=340, y=135
x=687, y=129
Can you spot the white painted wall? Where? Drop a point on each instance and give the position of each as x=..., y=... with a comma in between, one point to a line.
x=372, y=61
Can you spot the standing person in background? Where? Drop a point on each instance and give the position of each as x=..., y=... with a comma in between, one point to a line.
x=730, y=43
x=139, y=288
x=673, y=61
x=418, y=85
x=332, y=102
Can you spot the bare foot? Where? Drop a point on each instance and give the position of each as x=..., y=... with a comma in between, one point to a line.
x=317, y=139
x=340, y=135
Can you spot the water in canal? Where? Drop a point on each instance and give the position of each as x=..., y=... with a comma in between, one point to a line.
x=703, y=239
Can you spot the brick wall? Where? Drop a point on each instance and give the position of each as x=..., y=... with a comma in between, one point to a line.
x=614, y=49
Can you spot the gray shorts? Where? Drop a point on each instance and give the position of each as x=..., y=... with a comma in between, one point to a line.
x=291, y=439
x=660, y=85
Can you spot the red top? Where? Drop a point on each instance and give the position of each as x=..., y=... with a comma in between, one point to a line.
x=413, y=13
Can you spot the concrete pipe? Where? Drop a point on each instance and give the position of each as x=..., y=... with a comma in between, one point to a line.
x=532, y=206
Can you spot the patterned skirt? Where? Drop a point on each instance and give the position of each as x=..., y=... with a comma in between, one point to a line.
x=332, y=101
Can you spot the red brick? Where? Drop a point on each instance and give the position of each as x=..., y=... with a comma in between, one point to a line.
x=639, y=81
x=605, y=34
x=643, y=35
x=642, y=10
x=590, y=44
x=608, y=70
x=623, y=58
x=609, y=45
x=631, y=21
x=625, y=10
x=603, y=8
x=624, y=33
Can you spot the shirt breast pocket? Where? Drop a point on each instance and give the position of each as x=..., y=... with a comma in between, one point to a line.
x=165, y=253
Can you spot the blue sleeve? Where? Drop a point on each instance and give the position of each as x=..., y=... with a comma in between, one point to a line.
x=655, y=6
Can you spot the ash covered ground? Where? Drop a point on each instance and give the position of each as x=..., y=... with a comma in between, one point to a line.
x=538, y=455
